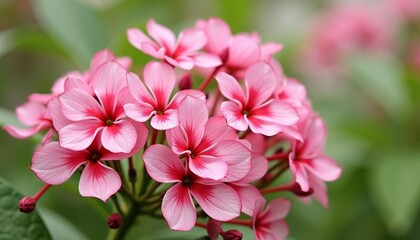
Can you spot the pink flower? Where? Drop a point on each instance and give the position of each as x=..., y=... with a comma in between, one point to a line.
x=55, y=165
x=307, y=161
x=160, y=80
x=32, y=114
x=218, y=200
x=211, y=147
x=269, y=224
x=182, y=52
x=102, y=113
x=254, y=107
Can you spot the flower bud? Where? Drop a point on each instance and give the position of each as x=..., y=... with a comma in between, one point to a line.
x=185, y=82
x=232, y=235
x=114, y=221
x=296, y=189
x=224, y=55
x=214, y=228
x=27, y=204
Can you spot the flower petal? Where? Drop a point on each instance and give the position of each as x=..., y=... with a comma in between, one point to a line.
x=120, y=137
x=165, y=121
x=178, y=208
x=98, y=180
x=77, y=105
x=190, y=40
x=136, y=37
x=30, y=113
x=138, y=90
x=260, y=83
x=139, y=112
x=219, y=201
x=163, y=165
x=248, y=194
x=234, y=116
x=243, y=51
x=28, y=132
x=206, y=60
x=218, y=35
x=276, y=210
x=160, y=79
x=208, y=167
x=54, y=164
x=79, y=135
x=161, y=34
x=101, y=57
x=325, y=168
x=216, y=130
x=230, y=88
x=259, y=167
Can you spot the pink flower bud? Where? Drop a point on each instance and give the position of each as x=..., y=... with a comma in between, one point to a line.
x=114, y=221
x=185, y=82
x=27, y=204
x=296, y=189
x=214, y=228
x=232, y=235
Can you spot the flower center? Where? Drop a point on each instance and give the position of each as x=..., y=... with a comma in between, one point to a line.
x=109, y=122
x=94, y=156
x=159, y=112
x=186, y=181
x=245, y=112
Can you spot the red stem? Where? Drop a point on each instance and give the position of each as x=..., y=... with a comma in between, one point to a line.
x=202, y=225
x=208, y=79
x=41, y=192
x=275, y=189
x=247, y=223
x=279, y=156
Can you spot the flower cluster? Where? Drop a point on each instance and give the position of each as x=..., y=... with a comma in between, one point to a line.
x=213, y=123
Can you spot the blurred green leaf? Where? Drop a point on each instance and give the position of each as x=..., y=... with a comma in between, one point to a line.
x=6, y=41
x=8, y=117
x=74, y=27
x=382, y=79
x=395, y=188
x=17, y=225
x=60, y=228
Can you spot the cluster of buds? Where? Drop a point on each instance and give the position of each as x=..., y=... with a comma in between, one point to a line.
x=213, y=123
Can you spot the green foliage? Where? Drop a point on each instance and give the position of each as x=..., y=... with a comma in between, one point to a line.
x=17, y=225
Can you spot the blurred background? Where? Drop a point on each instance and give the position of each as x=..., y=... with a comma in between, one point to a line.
x=360, y=62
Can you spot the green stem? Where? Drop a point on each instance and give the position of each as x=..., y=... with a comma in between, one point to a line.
x=128, y=221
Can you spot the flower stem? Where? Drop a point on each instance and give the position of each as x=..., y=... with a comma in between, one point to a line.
x=128, y=221
x=206, y=82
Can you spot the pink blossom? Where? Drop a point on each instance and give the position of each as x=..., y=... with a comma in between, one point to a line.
x=159, y=78
x=218, y=200
x=269, y=224
x=211, y=147
x=307, y=161
x=55, y=165
x=254, y=106
x=102, y=113
x=181, y=52
x=407, y=9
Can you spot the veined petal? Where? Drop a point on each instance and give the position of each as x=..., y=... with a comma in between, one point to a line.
x=120, y=137
x=218, y=35
x=325, y=168
x=243, y=51
x=139, y=112
x=179, y=96
x=101, y=57
x=300, y=175
x=161, y=34
x=78, y=105
x=206, y=60
x=54, y=164
x=193, y=115
x=163, y=165
x=178, y=140
x=138, y=90
x=234, y=116
x=79, y=135
x=183, y=62
x=98, y=180
x=219, y=201
x=315, y=134
x=160, y=79
x=216, y=130
x=178, y=208
x=259, y=167
x=190, y=40
x=150, y=49
x=320, y=190
x=78, y=83
x=257, y=142
x=28, y=132
x=269, y=49
x=208, y=167
x=165, y=121
x=230, y=88
x=276, y=210
x=248, y=194
x=260, y=83
x=136, y=37
x=30, y=113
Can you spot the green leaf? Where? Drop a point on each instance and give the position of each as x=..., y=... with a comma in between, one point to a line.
x=74, y=26
x=395, y=188
x=8, y=117
x=6, y=41
x=60, y=227
x=17, y=225
x=382, y=79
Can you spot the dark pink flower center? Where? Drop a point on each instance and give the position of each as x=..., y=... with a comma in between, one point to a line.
x=187, y=181
x=94, y=156
x=109, y=122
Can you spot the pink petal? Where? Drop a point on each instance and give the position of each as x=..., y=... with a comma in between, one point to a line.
x=161, y=34
x=259, y=167
x=237, y=157
x=320, y=190
x=248, y=194
x=208, y=167
x=300, y=175
x=243, y=51
x=139, y=112
x=190, y=40
x=138, y=90
x=324, y=168
x=120, y=137
x=273, y=231
x=218, y=35
x=179, y=96
x=136, y=37
x=269, y=49
x=178, y=208
x=100, y=181
x=257, y=142
x=206, y=60
x=108, y=80
x=126, y=62
x=123, y=98
x=230, y=88
x=184, y=62
x=234, y=116
x=163, y=165
x=25, y=133
x=160, y=79
x=260, y=83
x=77, y=105
x=75, y=82
x=54, y=164
x=79, y=135
x=30, y=113
x=220, y=201
x=153, y=51
x=101, y=57
x=165, y=121
x=315, y=136
x=276, y=210
x=178, y=140
x=216, y=130
x=193, y=115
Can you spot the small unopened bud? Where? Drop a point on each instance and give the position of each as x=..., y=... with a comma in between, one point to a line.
x=214, y=228
x=232, y=235
x=185, y=82
x=27, y=205
x=296, y=189
x=114, y=221
x=224, y=55
x=268, y=177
